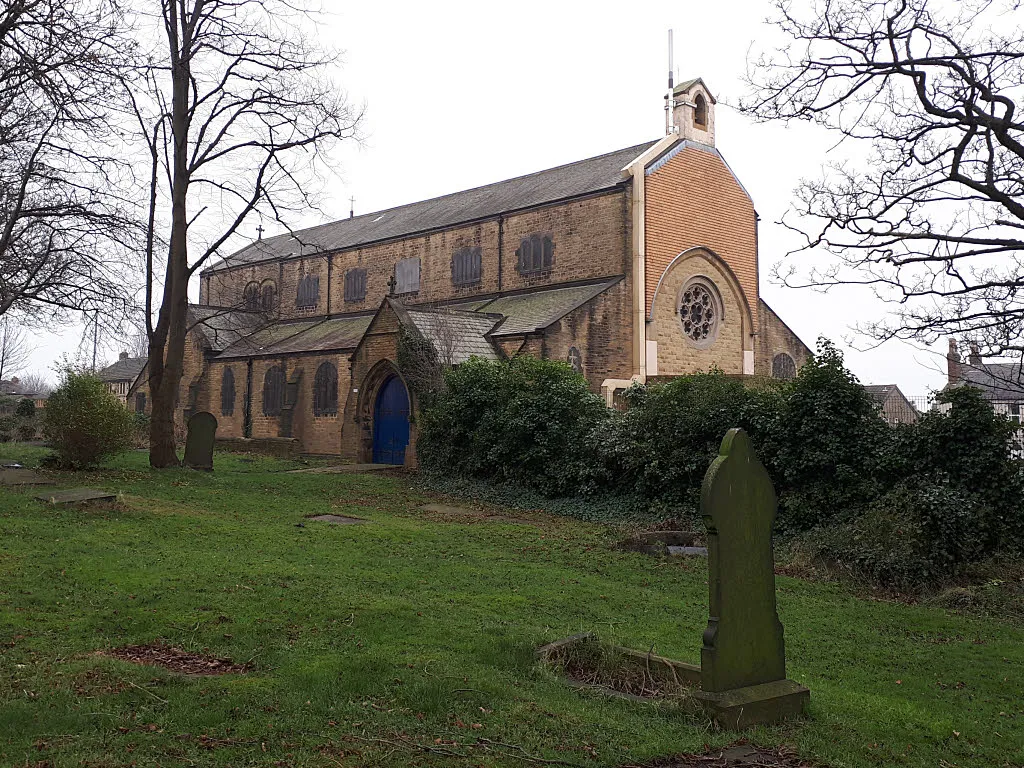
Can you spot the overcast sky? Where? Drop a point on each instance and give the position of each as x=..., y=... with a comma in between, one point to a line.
x=460, y=94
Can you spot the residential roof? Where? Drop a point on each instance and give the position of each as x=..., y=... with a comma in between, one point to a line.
x=455, y=334
x=583, y=177
x=536, y=310
x=997, y=381
x=125, y=369
x=302, y=336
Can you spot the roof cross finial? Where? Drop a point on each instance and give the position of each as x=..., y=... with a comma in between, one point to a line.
x=392, y=282
x=260, y=230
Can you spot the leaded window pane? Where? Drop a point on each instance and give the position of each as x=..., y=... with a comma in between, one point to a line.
x=407, y=275
x=227, y=393
x=273, y=391
x=355, y=285
x=325, y=390
x=466, y=266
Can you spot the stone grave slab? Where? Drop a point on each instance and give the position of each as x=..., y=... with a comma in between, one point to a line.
x=343, y=469
x=202, y=432
x=75, y=496
x=337, y=519
x=21, y=476
x=477, y=514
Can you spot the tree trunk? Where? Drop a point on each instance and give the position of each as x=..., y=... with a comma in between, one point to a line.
x=167, y=347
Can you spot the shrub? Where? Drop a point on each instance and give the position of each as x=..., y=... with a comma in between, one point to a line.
x=26, y=429
x=969, y=444
x=26, y=408
x=527, y=421
x=825, y=450
x=921, y=531
x=84, y=422
x=662, y=445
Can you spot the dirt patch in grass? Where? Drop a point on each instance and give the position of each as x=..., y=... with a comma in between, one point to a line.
x=176, y=660
x=592, y=664
x=739, y=755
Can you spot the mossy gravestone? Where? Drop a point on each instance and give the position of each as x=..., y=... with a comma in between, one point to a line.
x=202, y=430
x=743, y=661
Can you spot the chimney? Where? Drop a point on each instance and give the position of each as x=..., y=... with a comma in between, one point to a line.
x=975, y=357
x=693, y=112
x=124, y=356
x=953, y=374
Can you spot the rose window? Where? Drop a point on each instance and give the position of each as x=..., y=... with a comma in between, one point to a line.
x=698, y=311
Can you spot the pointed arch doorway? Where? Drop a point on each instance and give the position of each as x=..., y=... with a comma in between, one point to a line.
x=391, y=423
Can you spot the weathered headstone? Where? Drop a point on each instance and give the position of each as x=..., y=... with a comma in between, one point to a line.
x=21, y=476
x=202, y=431
x=743, y=661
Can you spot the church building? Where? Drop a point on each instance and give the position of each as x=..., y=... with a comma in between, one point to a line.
x=634, y=266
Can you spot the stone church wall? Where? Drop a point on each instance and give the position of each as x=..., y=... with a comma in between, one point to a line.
x=775, y=337
x=590, y=240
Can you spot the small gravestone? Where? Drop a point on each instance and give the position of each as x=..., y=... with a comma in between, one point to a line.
x=743, y=661
x=202, y=431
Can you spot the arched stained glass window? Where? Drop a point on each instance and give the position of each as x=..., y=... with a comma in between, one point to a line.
x=227, y=393
x=309, y=292
x=325, y=390
x=251, y=296
x=268, y=296
x=273, y=391
x=783, y=366
x=536, y=254
x=575, y=359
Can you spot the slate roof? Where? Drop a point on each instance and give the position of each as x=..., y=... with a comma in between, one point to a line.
x=879, y=392
x=594, y=174
x=125, y=369
x=222, y=326
x=303, y=336
x=997, y=381
x=536, y=310
x=460, y=335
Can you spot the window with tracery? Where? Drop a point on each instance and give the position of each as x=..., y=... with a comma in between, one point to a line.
x=325, y=390
x=700, y=311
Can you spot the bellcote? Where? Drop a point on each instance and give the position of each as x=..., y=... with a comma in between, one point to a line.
x=693, y=112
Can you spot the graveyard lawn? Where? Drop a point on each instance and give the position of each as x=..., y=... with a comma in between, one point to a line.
x=409, y=640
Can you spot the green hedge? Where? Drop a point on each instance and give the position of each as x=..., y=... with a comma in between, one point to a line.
x=85, y=423
x=902, y=504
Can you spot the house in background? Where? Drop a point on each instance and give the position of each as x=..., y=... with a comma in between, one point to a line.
x=894, y=406
x=1001, y=384
x=120, y=376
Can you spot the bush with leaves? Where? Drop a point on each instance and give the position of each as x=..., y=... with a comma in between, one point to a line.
x=85, y=423
x=922, y=531
x=526, y=421
x=825, y=451
x=26, y=408
x=661, y=446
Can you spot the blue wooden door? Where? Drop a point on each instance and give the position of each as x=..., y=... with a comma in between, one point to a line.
x=391, y=423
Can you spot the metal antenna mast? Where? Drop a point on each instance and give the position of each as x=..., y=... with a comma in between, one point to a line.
x=671, y=83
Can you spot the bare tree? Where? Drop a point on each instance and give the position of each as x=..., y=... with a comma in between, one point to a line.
x=236, y=110
x=428, y=347
x=933, y=218
x=65, y=230
x=138, y=343
x=35, y=384
x=14, y=348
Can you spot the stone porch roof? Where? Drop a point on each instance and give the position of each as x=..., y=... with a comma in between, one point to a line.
x=125, y=369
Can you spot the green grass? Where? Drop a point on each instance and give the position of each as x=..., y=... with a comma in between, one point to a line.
x=412, y=630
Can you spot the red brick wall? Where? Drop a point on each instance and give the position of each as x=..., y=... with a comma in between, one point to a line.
x=694, y=200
